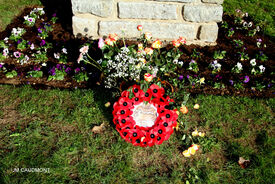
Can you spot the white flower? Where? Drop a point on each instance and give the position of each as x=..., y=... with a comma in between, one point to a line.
x=180, y=63
x=5, y=52
x=6, y=40
x=253, y=62
x=245, y=24
x=250, y=24
x=44, y=64
x=262, y=68
x=239, y=66
x=64, y=50
x=56, y=55
x=27, y=58
x=253, y=70
x=26, y=17
x=32, y=46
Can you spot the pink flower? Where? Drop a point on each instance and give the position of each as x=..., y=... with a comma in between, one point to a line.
x=100, y=43
x=17, y=54
x=80, y=58
x=84, y=49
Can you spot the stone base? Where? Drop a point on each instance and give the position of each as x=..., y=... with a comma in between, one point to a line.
x=196, y=20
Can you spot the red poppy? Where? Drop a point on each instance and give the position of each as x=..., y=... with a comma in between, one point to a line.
x=157, y=91
x=147, y=96
x=125, y=94
x=148, y=134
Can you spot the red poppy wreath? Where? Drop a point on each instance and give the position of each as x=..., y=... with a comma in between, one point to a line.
x=142, y=118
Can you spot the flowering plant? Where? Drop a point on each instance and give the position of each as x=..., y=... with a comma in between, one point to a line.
x=142, y=117
x=16, y=33
x=193, y=65
x=237, y=68
x=216, y=67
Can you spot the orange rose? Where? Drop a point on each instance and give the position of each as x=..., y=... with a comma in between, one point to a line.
x=148, y=36
x=109, y=41
x=183, y=109
x=182, y=40
x=148, y=77
x=113, y=37
x=176, y=43
x=157, y=44
x=148, y=51
x=139, y=28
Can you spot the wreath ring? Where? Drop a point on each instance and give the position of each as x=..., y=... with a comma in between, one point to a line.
x=144, y=118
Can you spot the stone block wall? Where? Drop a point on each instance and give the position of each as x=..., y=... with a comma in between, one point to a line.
x=196, y=20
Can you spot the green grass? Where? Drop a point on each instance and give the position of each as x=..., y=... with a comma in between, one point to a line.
x=52, y=129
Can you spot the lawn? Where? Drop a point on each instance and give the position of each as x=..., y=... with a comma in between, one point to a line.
x=52, y=128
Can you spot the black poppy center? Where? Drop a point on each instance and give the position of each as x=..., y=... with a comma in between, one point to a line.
x=124, y=133
x=158, y=138
x=127, y=127
x=155, y=90
x=160, y=131
x=136, y=90
x=123, y=121
x=152, y=136
x=125, y=103
x=165, y=124
x=136, y=99
x=122, y=112
x=135, y=134
x=167, y=115
x=137, y=141
x=146, y=94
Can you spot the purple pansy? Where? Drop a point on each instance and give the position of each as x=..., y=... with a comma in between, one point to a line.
x=43, y=42
x=246, y=79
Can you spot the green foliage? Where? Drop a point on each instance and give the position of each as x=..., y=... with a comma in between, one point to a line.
x=11, y=74
x=59, y=75
x=81, y=76
x=35, y=74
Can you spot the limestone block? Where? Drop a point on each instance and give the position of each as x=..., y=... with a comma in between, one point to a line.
x=102, y=8
x=213, y=1
x=159, y=30
x=84, y=26
x=209, y=32
x=145, y=10
x=180, y=1
x=203, y=13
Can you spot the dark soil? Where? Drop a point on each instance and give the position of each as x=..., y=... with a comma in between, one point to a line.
x=62, y=37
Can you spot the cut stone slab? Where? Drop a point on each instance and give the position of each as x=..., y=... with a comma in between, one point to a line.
x=164, y=31
x=102, y=8
x=84, y=26
x=145, y=10
x=203, y=13
x=180, y=1
x=209, y=32
x=213, y=1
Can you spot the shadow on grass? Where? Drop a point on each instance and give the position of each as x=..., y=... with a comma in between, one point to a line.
x=63, y=10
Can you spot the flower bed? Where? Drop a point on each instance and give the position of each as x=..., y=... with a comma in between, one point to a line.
x=36, y=49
